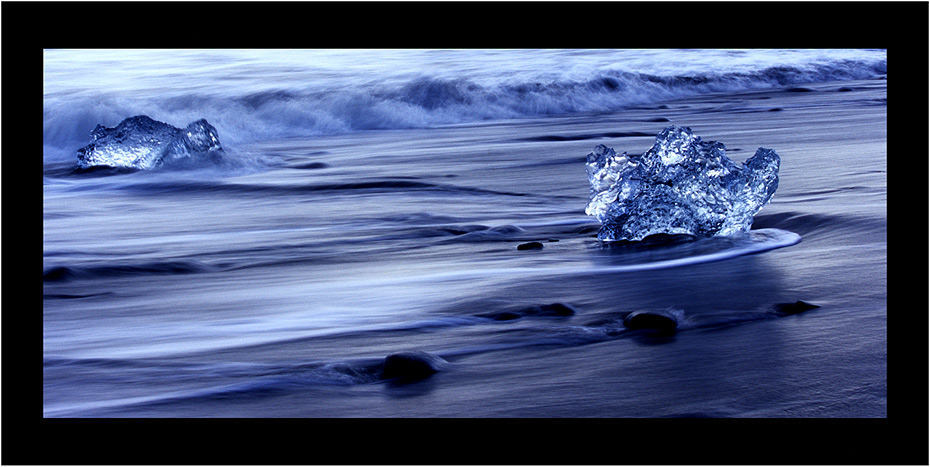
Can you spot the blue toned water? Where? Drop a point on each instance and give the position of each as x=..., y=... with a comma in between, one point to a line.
x=371, y=202
x=255, y=95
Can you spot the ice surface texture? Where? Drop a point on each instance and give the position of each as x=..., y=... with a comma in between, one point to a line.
x=143, y=143
x=682, y=185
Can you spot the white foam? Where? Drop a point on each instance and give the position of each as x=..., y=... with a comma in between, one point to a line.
x=309, y=93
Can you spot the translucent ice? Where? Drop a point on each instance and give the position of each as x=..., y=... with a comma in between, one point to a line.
x=682, y=185
x=142, y=143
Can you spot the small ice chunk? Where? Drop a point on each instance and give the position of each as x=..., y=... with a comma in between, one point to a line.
x=682, y=185
x=143, y=143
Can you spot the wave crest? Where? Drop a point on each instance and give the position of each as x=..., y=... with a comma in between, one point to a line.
x=417, y=102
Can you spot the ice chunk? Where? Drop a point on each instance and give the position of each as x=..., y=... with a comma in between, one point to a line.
x=142, y=143
x=682, y=185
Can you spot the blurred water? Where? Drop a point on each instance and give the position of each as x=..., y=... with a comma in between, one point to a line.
x=256, y=94
x=274, y=283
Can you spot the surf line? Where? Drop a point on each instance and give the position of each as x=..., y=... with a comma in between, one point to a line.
x=771, y=239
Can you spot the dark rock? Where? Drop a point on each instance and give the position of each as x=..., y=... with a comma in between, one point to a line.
x=311, y=166
x=844, y=89
x=776, y=109
x=786, y=309
x=502, y=316
x=799, y=90
x=411, y=365
x=530, y=246
x=658, y=119
x=662, y=321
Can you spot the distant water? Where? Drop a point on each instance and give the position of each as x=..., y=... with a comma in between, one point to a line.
x=372, y=202
x=254, y=95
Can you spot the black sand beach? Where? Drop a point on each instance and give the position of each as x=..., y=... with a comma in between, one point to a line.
x=351, y=248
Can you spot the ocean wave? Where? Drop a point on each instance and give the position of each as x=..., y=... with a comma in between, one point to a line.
x=420, y=101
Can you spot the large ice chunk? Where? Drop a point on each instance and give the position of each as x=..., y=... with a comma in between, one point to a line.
x=142, y=143
x=682, y=185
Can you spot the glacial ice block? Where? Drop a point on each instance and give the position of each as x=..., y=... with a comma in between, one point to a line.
x=682, y=185
x=142, y=143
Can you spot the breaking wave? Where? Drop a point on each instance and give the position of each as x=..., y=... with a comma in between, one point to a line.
x=420, y=100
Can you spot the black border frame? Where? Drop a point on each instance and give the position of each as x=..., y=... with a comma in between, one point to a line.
x=899, y=439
